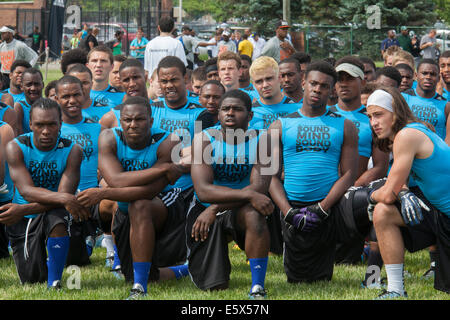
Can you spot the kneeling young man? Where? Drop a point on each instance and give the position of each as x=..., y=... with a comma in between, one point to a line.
x=318, y=150
x=402, y=218
x=136, y=162
x=45, y=169
x=230, y=197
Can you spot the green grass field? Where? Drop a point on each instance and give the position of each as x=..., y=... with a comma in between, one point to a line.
x=97, y=283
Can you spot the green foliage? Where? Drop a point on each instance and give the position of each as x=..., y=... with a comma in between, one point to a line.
x=443, y=10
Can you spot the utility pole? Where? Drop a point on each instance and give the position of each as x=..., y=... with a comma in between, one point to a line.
x=287, y=11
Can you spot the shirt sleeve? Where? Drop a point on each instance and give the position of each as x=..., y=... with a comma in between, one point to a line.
x=179, y=52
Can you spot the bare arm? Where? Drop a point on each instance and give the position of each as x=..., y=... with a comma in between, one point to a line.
x=8, y=99
x=19, y=117
x=380, y=161
x=447, y=128
x=109, y=120
x=113, y=172
x=348, y=166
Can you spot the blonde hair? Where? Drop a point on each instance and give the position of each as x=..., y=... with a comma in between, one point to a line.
x=263, y=63
x=390, y=51
x=403, y=56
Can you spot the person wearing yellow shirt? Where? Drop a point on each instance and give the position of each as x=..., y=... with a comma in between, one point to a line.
x=245, y=46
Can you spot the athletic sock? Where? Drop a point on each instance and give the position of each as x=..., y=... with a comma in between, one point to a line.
x=116, y=258
x=395, y=278
x=180, y=271
x=258, y=267
x=108, y=243
x=58, y=249
x=374, y=259
x=141, y=273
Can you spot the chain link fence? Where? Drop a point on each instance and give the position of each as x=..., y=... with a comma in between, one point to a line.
x=322, y=41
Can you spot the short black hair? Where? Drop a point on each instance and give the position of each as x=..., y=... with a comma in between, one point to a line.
x=238, y=94
x=166, y=24
x=330, y=60
x=119, y=58
x=137, y=101
x=323, y=67
x=79, y=68
x=391, y=73
x=214, y=82
x=73, y=56
x=301, y=57
x=46, y=104
x=20, y=63
x=246, y=58
x=51, y=85
x=67, y=79
x=428, y=61
x=132, y=62
x=404, y=66
x=367, y=60
x=445, y=54
x=33, y=71
x=170, y=62
x=291, y=60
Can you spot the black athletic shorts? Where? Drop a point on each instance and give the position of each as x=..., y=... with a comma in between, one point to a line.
x=79, y=231
x=28, y=239
x=209, y=264
x=433, y=230
x=170, y=245
x=310, y=256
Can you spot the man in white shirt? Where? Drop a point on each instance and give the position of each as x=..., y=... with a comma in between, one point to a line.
x=258, y=45
x=162, y=46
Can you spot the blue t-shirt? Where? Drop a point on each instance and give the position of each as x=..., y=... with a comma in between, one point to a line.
x=135, y=160
x=265, y=114
x=361, y=120
x=26, y=116
x=96, y=111
x=251, y=91
x=311, y=154
x=85, y=134
x=185, y=122
x=108, y=97
x=431, y=110
x=3, y=108
x=139, y=53
x=446, y=94
x=432, y=174
x=45, y=167
x=232, y=163
x=7, y=180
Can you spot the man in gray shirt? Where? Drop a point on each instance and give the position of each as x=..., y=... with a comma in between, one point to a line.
x=429, y=46
x=226, y=44
x=279, y=47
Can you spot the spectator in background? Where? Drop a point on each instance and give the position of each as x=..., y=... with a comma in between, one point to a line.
x=429, y=46
x=245, y=46
x=84, y=32
x=391, y=40
x=226, y=44
x=11, y=50
x=116, y=46
x=37, y=40
x=237, y=38
x=404, y=40
x=258, y=45
x=65, y=44
x=279, y=47
x=75, y=40
x=137, y=46
x=91, y=39
x=189, y=45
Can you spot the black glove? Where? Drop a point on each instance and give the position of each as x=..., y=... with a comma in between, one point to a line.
x=411, y=207
x=306, y=219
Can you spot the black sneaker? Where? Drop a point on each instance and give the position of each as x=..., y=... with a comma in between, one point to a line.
x=137, y=292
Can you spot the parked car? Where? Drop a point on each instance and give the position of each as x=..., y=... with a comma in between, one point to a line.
x=443, y=38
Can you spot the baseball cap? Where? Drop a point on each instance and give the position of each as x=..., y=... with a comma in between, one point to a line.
x=351, y=69
x=226, y=33
x=6, y=29
x=282, y=24
x=403, y=28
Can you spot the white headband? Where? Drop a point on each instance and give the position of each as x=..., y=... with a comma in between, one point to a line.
x=381, y=99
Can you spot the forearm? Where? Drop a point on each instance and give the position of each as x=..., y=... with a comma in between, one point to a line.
x=278, y=195
x=128, y=194
x=339, y=188
x=219, y=194
x=370, y=175
x=43, y=196
x=135, y=178
x=36, y=208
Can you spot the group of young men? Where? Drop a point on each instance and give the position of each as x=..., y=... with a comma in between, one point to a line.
x=282, y=158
